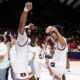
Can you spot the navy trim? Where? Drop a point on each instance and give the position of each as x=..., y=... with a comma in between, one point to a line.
x=23, y=44
x=60, y=49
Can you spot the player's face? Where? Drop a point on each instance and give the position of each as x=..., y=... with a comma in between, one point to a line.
x=54, y=36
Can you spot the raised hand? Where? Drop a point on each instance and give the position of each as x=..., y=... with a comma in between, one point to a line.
x=54, y=29
x=28, y=6
x=50, y=29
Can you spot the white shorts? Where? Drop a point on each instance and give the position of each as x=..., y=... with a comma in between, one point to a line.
x=24, y=75
x=58, y=70
x=45, y=76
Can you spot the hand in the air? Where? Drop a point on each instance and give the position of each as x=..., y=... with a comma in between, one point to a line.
x=50, y=29
x=28, y=5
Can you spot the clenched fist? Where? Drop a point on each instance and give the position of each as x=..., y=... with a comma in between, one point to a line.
x=48, y=29
x=51, y=29
x=28, y=6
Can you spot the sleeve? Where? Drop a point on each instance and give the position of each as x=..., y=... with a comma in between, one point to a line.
x=22, y=39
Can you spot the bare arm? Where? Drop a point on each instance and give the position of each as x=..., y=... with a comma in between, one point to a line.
x=23, y=18
x=49, y=69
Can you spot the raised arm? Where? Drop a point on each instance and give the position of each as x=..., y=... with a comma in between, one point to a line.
x=59, y=36
x=51, y=30
x=23, y=18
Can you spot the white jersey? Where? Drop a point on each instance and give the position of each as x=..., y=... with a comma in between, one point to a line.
x=37, y=51
x=4, y=52
x=31, y=52
x=60, y=56
x=22, y=54
x=13, y=56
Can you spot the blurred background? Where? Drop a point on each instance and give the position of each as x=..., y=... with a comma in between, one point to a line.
x=45, y=12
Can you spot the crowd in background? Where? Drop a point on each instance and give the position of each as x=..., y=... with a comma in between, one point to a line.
x=73, y=41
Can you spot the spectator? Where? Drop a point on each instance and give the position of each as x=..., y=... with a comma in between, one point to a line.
x=4, y=63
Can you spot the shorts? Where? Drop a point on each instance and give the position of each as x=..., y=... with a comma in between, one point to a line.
x=24, y=75
x=45, y=76
x=58, y=70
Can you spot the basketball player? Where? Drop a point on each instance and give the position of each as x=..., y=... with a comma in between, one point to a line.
x=21, y=68
x=54, y=67
x=60, y=54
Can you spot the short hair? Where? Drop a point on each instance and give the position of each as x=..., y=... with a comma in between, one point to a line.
x=1, y=38
x=60, y=28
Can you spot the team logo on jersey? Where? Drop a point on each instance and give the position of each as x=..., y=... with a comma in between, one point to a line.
x=23, y=74
x=52, y=64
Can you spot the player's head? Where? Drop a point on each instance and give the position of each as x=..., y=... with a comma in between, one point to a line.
x=59, y=28
x=29, y=29
x=51, y=32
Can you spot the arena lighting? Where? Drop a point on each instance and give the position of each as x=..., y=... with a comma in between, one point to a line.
x=69, y=2
x=76, y=4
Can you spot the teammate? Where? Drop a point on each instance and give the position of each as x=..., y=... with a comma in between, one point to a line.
x=61, y=49
x=54, y=68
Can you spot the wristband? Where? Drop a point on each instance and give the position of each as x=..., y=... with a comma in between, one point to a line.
x=25, y=9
